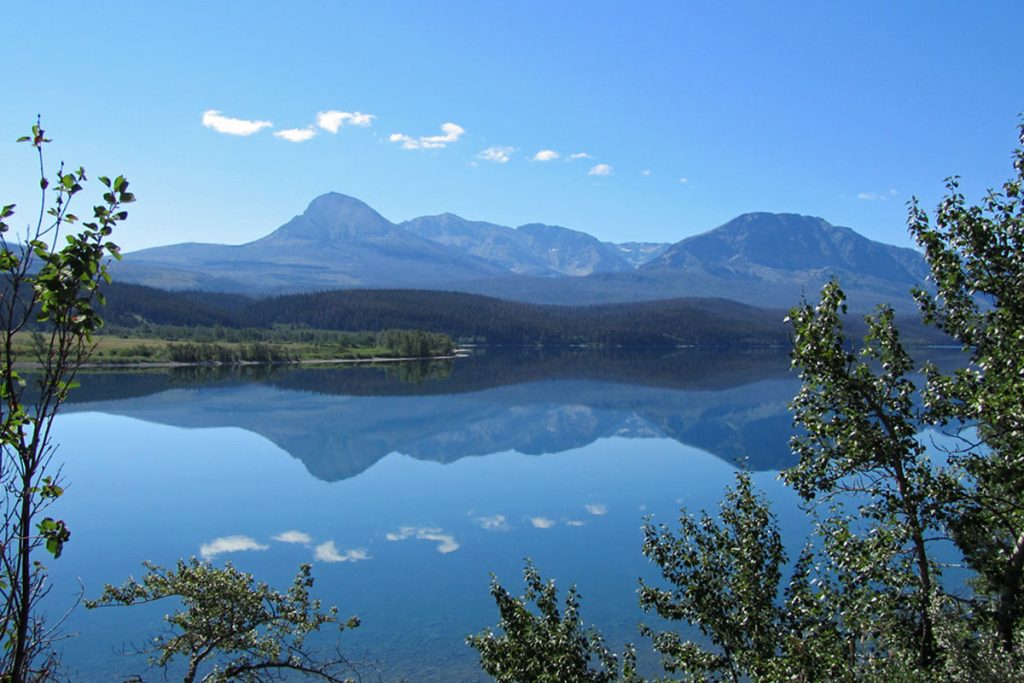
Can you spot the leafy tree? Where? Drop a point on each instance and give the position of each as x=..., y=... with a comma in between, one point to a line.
x=865, y=599
x=543, y=644
x=231, y=628
x=50, y=278
x=976, y=255
x=859, y=454
x=724, y=579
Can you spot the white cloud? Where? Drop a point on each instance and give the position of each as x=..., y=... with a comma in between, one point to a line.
x=596, y=509
x=542, y=522
x=451, y=133
x=229, y=544
x=575, y=522
x=446, y=543
x=870, y=196
x=493, y=523
x=295, y=134
x=328, y=552
x=579, y=155
x=499, y=155
x=546, y=155
x=333, y=120
x=223, y=124
x=299, y=537
x=600, y=169
x=645, y=172
x=684, y=181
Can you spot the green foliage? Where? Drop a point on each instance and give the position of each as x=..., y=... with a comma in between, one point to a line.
x=865, y=600
x=274, y=334
x=220, y=354
x=543, y=644
x=724, y=579
x=977, y=259
x=50, y=281
x=230, y=627
x=415, y=343
x=859, y=454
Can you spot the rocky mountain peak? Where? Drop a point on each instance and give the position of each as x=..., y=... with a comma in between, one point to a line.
x=333, y=217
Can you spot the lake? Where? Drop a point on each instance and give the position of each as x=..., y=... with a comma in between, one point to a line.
x=407, y=485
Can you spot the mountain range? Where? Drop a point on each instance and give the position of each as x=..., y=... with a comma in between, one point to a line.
x=339, y=242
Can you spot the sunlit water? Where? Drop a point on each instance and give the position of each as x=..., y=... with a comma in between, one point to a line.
x=404, y=496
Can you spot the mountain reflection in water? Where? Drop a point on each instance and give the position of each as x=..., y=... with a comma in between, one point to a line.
x=339, y=420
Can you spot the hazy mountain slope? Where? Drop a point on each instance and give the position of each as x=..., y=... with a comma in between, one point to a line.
x=572, y=252
x=765, y=258
x=639, y=253
x=766, y=244
x=495, y=243
x=533, y=249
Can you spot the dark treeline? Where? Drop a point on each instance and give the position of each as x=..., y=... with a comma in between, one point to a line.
x=468, y=317
x=219, y=334
x=465, y=317
x=131, y=305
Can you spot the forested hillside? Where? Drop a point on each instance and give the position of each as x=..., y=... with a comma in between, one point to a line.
x=471, y=318
x=466, y=317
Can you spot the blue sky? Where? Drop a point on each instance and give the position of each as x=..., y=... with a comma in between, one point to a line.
x=688, y=113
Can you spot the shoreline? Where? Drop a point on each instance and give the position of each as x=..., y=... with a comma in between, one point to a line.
x=311, y=361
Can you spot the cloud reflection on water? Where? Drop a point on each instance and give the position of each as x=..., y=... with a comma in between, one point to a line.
x=328, y=552
x=446, y=543
x=493, y=523
x=229, y=544
x=297, y=537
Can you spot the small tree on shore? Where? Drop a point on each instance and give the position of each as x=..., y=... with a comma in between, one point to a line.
x=228, y=627
x=50, y=279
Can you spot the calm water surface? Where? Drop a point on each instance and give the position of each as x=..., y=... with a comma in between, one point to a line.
x=407, y=486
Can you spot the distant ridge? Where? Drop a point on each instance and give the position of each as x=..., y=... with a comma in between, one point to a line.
x=789, y=243
x=339, y=242
x=533, y=249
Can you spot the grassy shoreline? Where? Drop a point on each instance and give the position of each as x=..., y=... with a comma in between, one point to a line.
x=118, y=351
